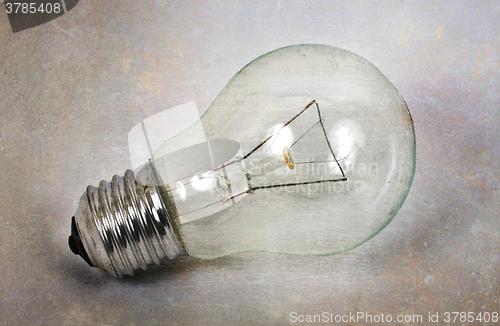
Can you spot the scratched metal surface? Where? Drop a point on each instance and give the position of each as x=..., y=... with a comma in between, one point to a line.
x=71, y=89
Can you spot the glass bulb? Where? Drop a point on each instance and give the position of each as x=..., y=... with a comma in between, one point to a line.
x=310, y=151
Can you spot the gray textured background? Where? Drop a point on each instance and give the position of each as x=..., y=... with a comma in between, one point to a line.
x=71, y=89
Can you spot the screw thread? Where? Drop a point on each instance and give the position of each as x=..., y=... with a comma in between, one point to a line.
x=125, y=225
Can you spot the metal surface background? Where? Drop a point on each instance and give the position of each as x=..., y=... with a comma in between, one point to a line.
x=71, y=89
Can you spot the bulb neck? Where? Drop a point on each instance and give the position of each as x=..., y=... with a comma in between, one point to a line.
x=123, y=225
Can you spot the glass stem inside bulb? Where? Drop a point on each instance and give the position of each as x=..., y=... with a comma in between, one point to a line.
x=211, y=191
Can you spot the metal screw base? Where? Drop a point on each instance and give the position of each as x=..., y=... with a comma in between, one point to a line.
x=124, y=225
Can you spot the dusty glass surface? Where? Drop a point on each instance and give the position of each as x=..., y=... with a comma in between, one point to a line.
x=311, y=151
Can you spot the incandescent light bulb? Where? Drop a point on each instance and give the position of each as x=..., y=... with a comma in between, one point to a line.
x=310, y=150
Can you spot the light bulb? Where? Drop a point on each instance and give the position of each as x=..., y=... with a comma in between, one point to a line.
x=310, y=151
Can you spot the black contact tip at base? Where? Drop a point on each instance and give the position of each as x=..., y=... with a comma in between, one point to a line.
x=75, y=243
